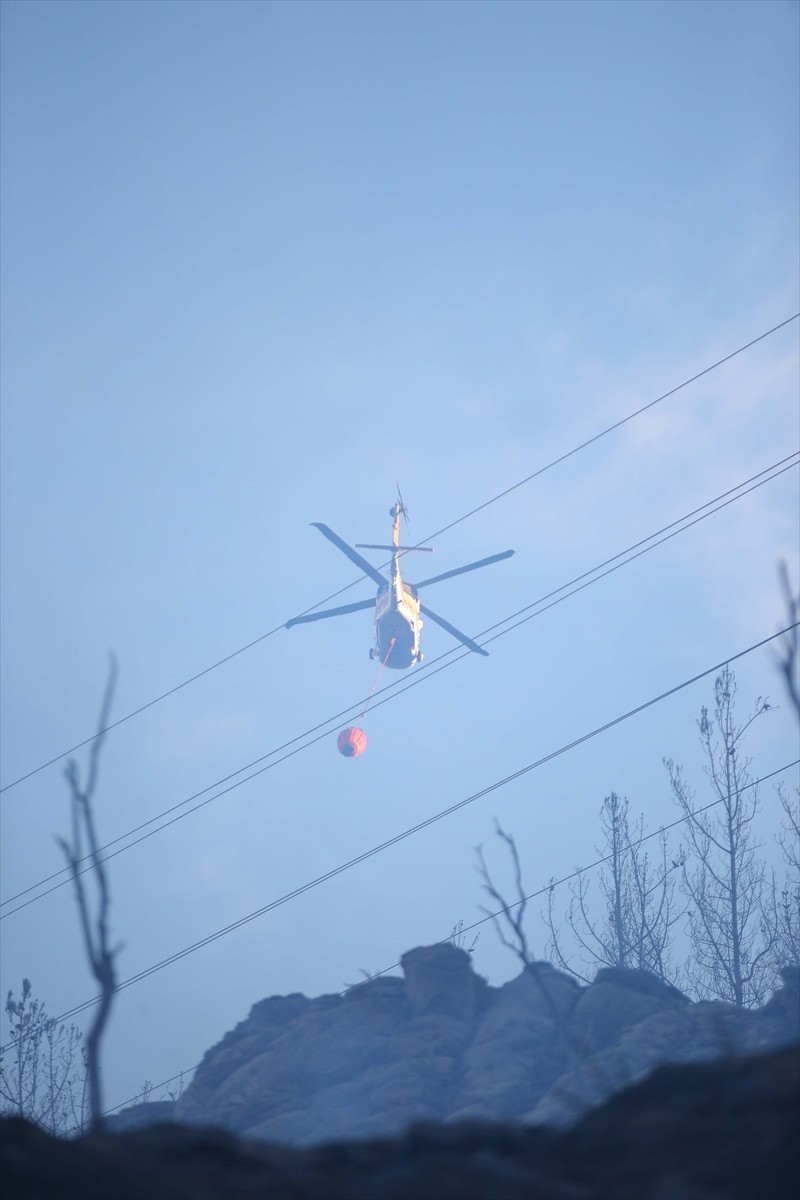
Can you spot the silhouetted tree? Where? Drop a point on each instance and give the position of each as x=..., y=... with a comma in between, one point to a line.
x=93, y=927
x=517, y=943
x=789, y=662
x=43, y=1067
x=512, y=916
x=783, y=908
x=782, y=916
x=633, y=925
x=723, y=877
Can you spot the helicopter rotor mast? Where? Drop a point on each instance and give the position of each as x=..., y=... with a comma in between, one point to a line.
x=397, y=510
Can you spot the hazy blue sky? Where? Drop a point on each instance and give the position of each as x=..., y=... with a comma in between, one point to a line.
x=262, y=260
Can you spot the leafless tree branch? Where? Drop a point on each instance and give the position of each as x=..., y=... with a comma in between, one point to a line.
x=518, y=944
x=39, y=1078
x=722, y=877
x=789, y=662
x=634, y=929
x=94, y=930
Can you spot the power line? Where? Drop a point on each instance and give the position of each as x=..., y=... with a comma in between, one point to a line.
x=617, y=425
x=684, y=523
x=507, y=908
x=500, y=495
x=678, y=526
x=131, y=1099
x=578, y=871
x=367, y=854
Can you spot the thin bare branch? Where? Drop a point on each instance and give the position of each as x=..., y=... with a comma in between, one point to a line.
x=94, y=930
x=518, y=944
x=723, y=879
x=789, y=662
x=635, y=928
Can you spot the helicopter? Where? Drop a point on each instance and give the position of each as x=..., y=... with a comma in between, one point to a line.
x=398, y=622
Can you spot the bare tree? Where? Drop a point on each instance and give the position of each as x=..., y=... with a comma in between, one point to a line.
x=783, y=906
x=513, y=917
x=517, y=943
x=633, y=925
x=94, y=928
x=43, y=1068
x=723, y=877
x=782, y=916
x=789, y=662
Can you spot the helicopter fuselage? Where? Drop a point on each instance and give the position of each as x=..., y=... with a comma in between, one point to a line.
x=397, y=623
x=397, y=606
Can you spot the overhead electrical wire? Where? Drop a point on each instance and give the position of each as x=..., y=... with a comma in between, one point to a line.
x=610, y=428
x=493, y=787
x=678, y=526
x=479, y=508
x=549, y=887
x=492, y=916
x=427, y=672
x=578, y=871
x=407, y=833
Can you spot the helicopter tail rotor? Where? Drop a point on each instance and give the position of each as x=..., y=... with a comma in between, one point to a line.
x=399, y=507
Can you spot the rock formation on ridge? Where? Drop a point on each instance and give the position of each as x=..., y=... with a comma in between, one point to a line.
x=441, y=1044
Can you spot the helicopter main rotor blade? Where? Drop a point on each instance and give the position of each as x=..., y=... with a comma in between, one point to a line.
x=330, y=612
x=484, y=562
x=352, y=554
x=451, y=629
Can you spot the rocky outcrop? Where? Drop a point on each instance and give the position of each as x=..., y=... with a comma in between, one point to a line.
x=442, y=1045
x=637, y=1039
x=725, y=1130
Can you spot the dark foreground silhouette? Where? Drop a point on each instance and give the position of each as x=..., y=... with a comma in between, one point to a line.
x=723, y=1130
